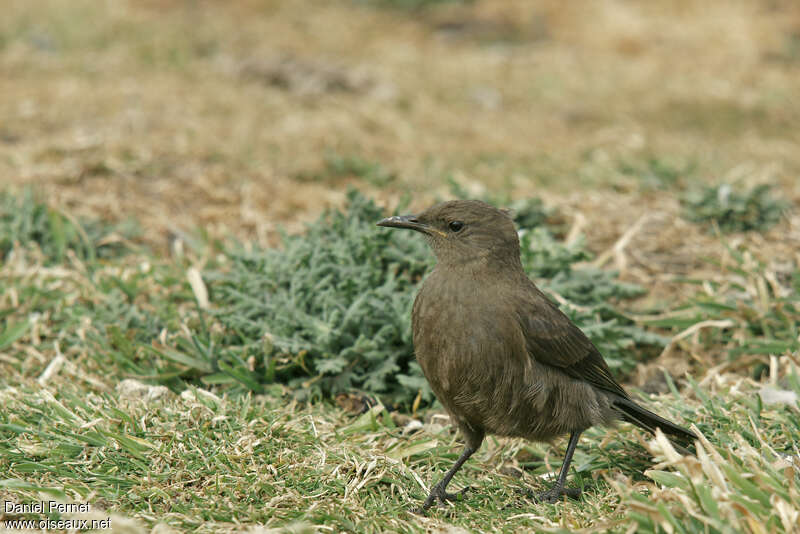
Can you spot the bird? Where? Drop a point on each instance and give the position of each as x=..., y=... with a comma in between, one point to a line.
x=499, y=355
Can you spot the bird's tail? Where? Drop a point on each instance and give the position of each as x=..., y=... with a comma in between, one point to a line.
x=633, y=413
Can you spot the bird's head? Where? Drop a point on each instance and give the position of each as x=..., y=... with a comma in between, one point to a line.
x=463, y=230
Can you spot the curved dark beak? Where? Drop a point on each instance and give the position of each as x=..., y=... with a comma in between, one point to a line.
x=405, y=221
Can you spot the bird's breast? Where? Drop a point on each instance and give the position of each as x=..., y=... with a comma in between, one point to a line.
x=469, y=344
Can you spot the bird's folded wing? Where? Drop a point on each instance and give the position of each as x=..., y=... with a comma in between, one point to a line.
x=554, y=340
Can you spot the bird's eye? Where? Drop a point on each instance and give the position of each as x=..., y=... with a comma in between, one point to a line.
x=456, y=226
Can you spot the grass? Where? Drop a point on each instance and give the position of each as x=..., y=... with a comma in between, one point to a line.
x=268, y=460
x=26, y=219
x=80, y=424
x=173, y=145
x=339, y=167
x=754, y=302
x=734, y=211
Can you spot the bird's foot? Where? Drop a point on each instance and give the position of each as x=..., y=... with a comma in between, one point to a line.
x=555, y=493
x=438, y=493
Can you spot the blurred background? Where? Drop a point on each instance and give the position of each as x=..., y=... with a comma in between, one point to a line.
x=243, y=116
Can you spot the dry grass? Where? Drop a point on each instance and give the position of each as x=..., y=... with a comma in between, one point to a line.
x=186, y=114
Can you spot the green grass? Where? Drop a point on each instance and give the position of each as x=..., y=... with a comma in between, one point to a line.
x=27, y=220
x=337, y=167
x=654, y=173
x=732, y=209
x=755, y=301
x=227, y=442
x=198, y=461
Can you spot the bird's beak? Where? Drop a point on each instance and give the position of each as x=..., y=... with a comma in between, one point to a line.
x=408, y=221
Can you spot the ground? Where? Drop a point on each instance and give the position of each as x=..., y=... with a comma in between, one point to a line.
x=236, y=119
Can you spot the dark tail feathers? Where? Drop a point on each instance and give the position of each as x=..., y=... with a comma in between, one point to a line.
x=633, y=413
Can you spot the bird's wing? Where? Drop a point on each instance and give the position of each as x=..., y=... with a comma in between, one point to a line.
x=554, y=340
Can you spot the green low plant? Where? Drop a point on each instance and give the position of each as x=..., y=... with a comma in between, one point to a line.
x=337, y=166
x=658, y=173
x=734, y=210
x=329, y=310
x=326, y=312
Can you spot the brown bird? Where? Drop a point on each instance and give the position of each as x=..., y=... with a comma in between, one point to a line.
x=498, y=354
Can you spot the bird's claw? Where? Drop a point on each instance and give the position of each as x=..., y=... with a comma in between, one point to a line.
x=439, y=494
x=554, y=494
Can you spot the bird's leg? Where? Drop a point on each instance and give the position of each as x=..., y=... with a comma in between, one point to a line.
x=438, y=491
x=555, y=493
